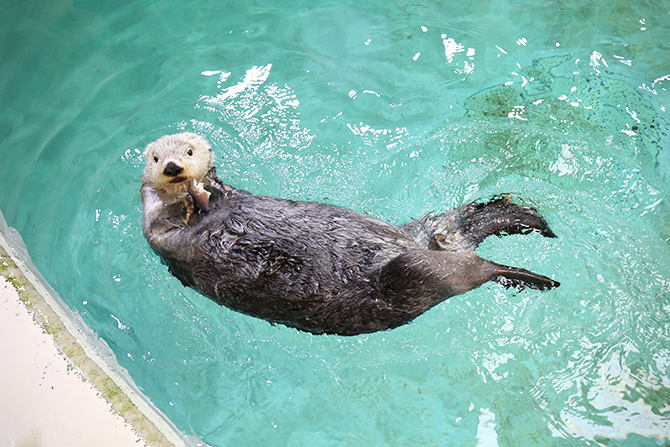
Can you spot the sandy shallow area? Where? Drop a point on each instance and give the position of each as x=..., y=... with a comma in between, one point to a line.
x=45, y=399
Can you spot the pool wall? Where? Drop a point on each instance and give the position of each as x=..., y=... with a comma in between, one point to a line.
x=82, y=347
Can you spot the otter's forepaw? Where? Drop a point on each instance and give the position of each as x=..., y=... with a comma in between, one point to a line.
x=190, y=207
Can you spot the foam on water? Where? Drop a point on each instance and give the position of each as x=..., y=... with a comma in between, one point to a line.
x=395, y=111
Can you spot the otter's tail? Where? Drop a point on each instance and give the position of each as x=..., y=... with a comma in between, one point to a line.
x=500, y=216
x=520, y=278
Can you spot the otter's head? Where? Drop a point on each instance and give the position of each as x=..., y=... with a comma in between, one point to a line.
x=174, y=161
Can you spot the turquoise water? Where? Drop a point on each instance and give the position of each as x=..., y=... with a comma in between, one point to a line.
x=396, y=110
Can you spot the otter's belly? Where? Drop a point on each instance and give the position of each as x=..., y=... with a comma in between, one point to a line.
x=275, y=258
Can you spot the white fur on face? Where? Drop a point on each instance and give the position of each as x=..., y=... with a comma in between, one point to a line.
x=187, y=150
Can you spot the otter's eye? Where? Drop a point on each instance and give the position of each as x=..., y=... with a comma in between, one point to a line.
x=190, y=152
x=155, y=159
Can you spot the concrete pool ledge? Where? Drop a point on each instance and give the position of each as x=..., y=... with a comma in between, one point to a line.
x=86, y=354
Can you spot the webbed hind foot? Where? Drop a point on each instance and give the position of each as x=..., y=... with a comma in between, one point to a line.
x=501, y=216
x=467, y=226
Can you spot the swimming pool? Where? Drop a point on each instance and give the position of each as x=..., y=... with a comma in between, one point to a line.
x=396, y=110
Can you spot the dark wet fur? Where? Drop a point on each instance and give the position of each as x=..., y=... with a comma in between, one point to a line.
x=326, y=269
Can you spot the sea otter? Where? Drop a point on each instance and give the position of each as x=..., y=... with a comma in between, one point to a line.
x=312, y=266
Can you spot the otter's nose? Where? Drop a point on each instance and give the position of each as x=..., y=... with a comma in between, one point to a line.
x=172, y=169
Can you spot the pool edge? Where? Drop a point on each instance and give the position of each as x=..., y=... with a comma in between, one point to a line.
x=74, y=339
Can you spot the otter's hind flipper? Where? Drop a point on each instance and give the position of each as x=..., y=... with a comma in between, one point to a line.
x=500, y=216
x=520, y=278
x=468, y=225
